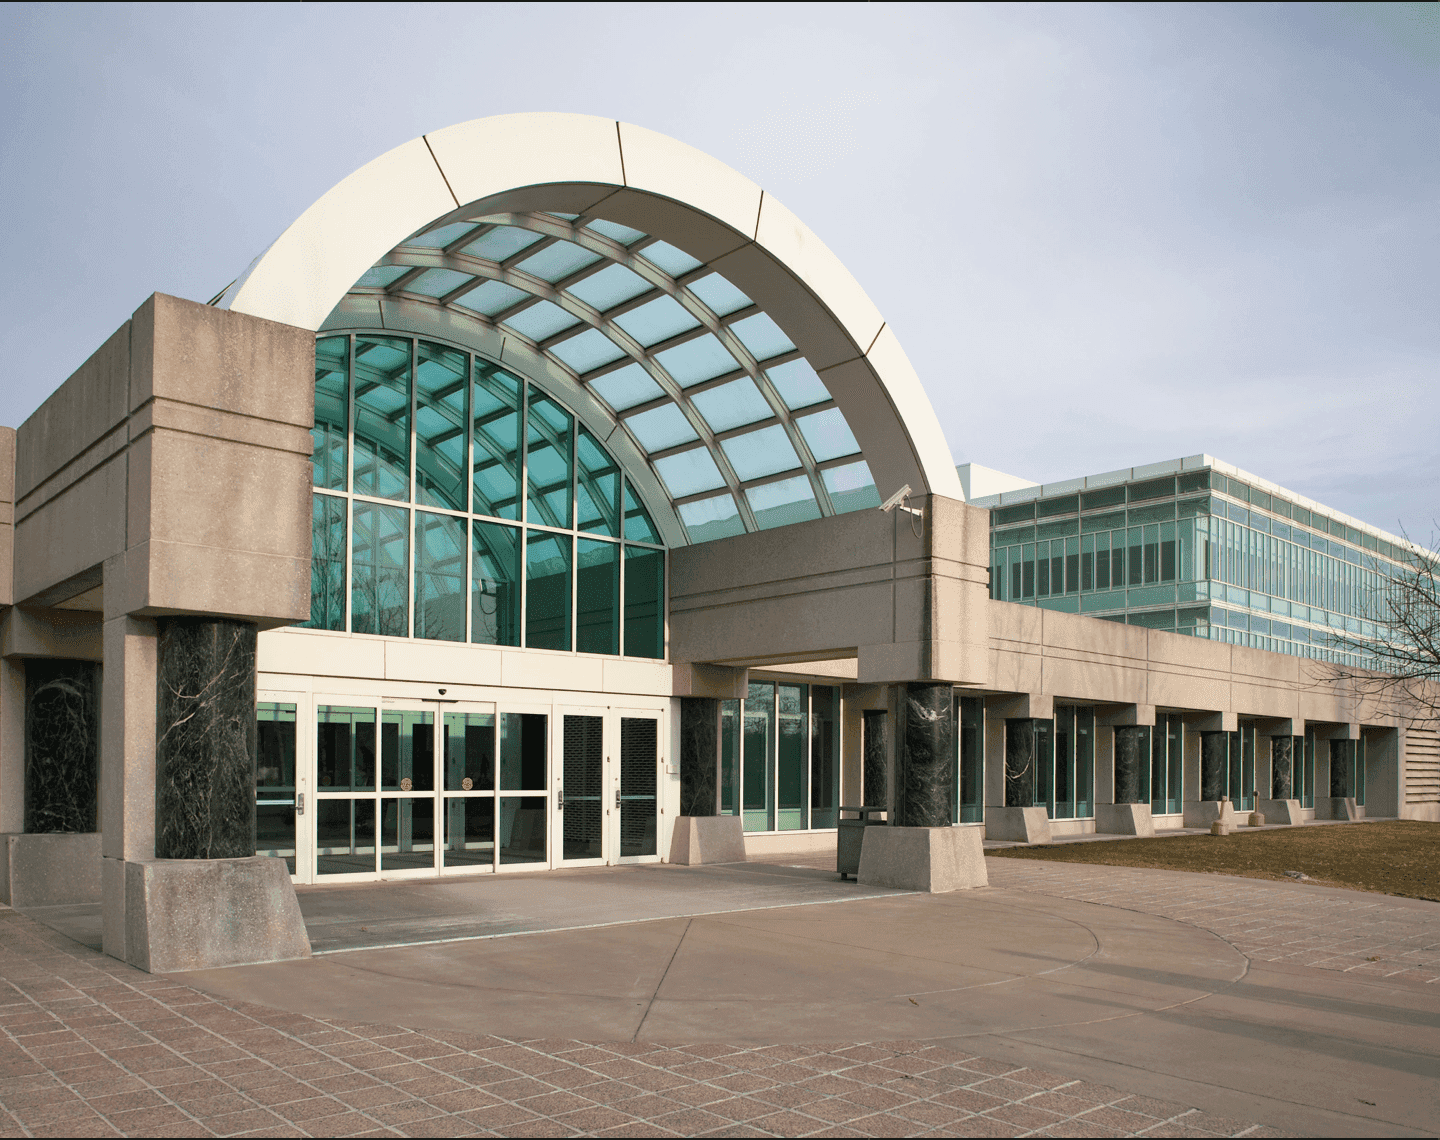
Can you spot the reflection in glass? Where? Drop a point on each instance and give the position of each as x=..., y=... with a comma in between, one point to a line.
x=522, y=751
x=379, y=600
x=495, y=584
x=792, y=790
x=332, y=412
x=439, y=577
x=522, y=829
x=440, y=388
x=496, y=396
x=597, y=603
x=275, y=781
x=644, y=602
x=407, y=751
x=824, y=755
x=547, y=461
x=598, y=488
x=638, y=526
x=759, y=774
x=547, y=600
x=345, y=748
x=1085, y=762
x=970, y=720
x=327, y=563
x=344, y=837
x=407, y=833
x=469, y=831
x=382, y=417
x=470, y=752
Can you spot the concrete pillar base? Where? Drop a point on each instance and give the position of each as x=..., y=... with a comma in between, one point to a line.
x=1124, y=819
x=1338, y=807
x=49, y=870
x=933, y=859
x=1280, y=811
x=1202, y=813
x=707, y=839
x=1021, y=825
x=197, y=914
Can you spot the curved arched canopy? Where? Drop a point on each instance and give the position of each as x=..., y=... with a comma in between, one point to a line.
x=718, y=348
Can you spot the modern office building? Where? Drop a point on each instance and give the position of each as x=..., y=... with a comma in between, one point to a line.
x=516, y=509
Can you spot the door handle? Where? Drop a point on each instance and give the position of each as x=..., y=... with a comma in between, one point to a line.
x=617, y=797
x=300, y=804
x=560, y=805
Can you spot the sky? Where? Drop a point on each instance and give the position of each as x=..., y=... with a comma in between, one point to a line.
x=1104, y=235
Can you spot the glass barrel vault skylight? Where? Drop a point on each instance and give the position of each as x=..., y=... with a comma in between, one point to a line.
x=738, y=428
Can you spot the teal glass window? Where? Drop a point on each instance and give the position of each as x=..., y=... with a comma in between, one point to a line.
x=547, y=590
x=759, y=744
x=495, y=584
x=382, y=417
x=729, y=757
x=792, y=760
x=824, y=756
x=328, y=446
x=644, y=602
x=970, y=750
x=1167, y=752
x=597, y=502
x=597, y=596
x=327, y=563
x=441, y=387
x=638, y=527
x=439, y=577
x=379, y=570
x=548, y=430
x=275, y=782
x=496, y=396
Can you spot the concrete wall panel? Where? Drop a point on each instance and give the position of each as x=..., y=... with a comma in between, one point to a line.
x=306, y=653
x=76, y=530
x=439, y=662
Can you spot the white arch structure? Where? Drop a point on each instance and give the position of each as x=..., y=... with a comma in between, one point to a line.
x=363, y=255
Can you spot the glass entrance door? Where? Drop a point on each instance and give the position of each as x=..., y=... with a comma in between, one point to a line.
x=606, y=789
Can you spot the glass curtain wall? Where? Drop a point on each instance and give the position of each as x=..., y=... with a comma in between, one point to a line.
x=1072, y=785
x=780, y=757
x=453, y=502
x=969, y=806
x=1241, y=768
x=1198, y=553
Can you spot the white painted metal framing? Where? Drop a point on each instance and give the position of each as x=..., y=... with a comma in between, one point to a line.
x=694, y=323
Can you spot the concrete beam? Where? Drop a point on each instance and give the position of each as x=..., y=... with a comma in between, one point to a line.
x=1012, y=706
x=1118, y=716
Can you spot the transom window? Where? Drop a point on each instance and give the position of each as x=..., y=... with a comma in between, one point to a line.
x=456, y=501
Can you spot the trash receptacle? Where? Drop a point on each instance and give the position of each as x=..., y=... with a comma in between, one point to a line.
x=850, y=834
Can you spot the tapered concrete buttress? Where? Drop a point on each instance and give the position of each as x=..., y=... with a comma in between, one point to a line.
x=933, y=859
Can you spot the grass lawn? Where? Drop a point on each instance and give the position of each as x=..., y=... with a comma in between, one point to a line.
x=1399, y=857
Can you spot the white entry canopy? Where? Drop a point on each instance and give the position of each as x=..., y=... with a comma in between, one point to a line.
x=689, y=317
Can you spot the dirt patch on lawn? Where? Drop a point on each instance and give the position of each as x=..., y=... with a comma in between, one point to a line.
x=1399, y=857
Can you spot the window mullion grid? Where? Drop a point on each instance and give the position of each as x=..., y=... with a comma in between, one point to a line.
x=522, y=514
x=468, y=468
x=413, y=561
x=347, y=551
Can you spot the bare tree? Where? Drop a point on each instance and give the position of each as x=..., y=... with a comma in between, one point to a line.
x=1402, y=658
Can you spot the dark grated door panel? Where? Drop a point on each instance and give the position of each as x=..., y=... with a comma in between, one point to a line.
x=639, y=755
x=583, y=763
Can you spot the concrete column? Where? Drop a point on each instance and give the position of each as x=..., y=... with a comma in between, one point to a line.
x=699, y=755
x=12, y=745
x=1342, y=759
x=1130, y=760
x=61, y=746
x=127, y=764
x=925, y=768
x=1282, y=767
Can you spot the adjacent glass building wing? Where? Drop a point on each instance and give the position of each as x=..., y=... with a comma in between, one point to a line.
x=737, y=427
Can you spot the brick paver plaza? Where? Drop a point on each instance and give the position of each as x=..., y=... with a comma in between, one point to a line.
x=93, y=1047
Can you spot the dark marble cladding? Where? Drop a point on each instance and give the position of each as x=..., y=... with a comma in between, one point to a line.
x=876, y=729
x=1282, y=752
x=1020, y=762
x=925, y=763
x=699, y=754
x=62, y=745
x=1214, y=757
x=205, y=739
x=1130, y=761
x=1342, y=752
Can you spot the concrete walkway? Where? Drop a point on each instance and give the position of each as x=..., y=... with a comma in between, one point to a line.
x=1069, y=994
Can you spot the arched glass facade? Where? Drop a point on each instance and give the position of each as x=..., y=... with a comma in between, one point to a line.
x=456, y=501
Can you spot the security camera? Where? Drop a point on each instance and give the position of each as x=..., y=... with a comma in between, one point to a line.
x=442, y=692
x=896, y=499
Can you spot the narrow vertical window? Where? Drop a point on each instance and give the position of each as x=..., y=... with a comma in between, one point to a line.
x=439, y=577
x=547, y=590
x=792, y=761
x=824, y=755
x=597, y=596
x=327, y=563
x=495, y=584
x=548, y=430
x=332, y=413
x=379, y=570
x=644, y=602
x=441, y=391
x=496, y=442
x=382, y=417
